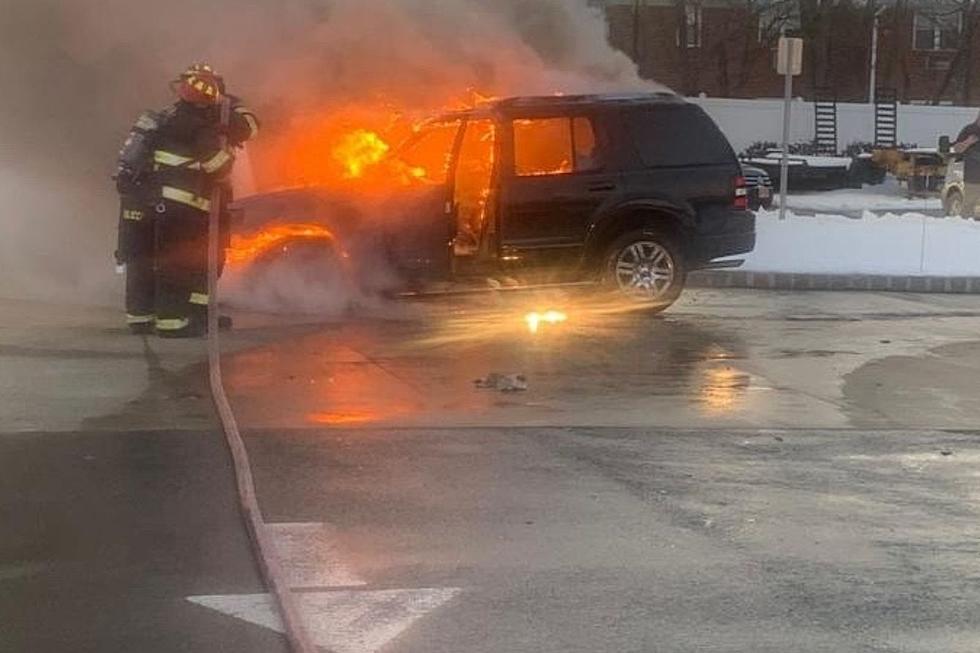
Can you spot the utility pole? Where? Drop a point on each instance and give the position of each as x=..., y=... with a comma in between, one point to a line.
x=873, y=66
x=789, y=62
x=636, y=31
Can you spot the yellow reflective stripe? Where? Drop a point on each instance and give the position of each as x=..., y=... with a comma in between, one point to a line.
x=200, y=299
x=186, y=197
x=139, y=319
x=217, y=161
x=170, y=159
x=173, y=325
x=253, y=124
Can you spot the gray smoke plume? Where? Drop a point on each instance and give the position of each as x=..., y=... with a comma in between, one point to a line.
x=75, y=74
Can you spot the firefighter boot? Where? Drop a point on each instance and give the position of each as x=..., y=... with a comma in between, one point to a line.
x=189, y=327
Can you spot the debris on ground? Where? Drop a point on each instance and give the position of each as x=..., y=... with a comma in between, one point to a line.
x=503, y=382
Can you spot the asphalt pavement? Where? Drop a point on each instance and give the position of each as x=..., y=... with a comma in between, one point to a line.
x=751, y=471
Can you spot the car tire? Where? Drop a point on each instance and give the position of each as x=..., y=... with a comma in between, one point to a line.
x=953, y=204
x=646, y=266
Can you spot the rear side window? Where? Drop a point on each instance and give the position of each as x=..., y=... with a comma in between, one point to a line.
x=678, y=136
x=554, y=146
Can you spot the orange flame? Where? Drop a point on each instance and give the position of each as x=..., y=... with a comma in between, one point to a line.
x=535, y=319
x=357, y=143
x=245, y=249
x=359, y=150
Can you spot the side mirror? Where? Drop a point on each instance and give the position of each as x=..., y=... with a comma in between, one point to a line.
x=944, y=145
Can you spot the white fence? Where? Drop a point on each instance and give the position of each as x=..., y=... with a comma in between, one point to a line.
x=748, y=121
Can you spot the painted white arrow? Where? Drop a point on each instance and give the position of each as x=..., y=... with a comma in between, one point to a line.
x=344, y=621
x=340, y=620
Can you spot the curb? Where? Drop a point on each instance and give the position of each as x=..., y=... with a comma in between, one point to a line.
x=803, y=281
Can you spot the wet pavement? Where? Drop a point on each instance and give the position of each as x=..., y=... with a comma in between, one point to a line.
x=752, y=471
x=720, y=359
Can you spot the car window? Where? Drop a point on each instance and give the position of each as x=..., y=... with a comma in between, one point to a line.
x=543, y=147
x=678, y=136
x=554, y=146
x=430, y=153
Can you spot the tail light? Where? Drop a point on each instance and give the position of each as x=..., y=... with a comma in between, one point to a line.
x=741, y=200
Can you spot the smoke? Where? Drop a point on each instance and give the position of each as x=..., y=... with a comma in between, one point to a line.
x=76, y=74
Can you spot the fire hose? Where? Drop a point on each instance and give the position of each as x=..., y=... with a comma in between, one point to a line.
x=262, y=543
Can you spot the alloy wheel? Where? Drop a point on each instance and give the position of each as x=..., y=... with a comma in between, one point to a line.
x=645, y=269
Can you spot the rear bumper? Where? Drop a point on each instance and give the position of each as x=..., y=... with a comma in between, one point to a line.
x=736, y=237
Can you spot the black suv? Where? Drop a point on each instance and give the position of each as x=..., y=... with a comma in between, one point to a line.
x=627, y=191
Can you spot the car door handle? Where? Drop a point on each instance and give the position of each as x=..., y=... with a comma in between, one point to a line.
x=600, y=188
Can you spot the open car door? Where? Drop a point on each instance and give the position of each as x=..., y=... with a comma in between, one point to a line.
x=474, y=243
x=418, y=223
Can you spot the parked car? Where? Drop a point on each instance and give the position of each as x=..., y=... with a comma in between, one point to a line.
x=759, y=187
x=629, y=192
x=952, y=190
x=807, y=172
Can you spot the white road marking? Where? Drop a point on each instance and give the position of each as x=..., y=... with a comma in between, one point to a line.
x=346, y=621
x=341, y=620
x=310, y=556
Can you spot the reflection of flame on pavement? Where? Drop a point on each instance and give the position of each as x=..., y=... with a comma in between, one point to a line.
x=245, y=249
x=361, y=414
x=535, y=319
x=722, y=388
x=345, y=417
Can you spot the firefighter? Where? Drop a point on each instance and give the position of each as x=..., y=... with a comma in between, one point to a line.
x=136, y=244
x=190, y=160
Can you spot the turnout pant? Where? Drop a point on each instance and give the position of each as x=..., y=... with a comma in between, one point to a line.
x=137, y=250
x=182, y=269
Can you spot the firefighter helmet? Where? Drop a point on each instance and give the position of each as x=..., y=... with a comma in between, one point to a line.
x=199, y=84
x=206, y=69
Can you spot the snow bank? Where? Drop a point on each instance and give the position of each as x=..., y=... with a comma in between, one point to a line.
x=887, y=196
x=906, y=244
x=851, y=201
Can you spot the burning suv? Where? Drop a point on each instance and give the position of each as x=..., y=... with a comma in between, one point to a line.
x=626, y=192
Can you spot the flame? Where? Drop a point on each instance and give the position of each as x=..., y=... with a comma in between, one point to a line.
x=245, y=249
x=357, y=143
x=359, y=150
x=535, y=319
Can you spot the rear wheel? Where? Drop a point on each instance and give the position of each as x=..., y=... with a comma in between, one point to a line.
x=646, y=266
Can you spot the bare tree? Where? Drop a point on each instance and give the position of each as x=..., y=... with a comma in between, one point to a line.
x=961, y=66
x=742, y=45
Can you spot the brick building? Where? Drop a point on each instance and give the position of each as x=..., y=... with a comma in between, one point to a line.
x=926, y=49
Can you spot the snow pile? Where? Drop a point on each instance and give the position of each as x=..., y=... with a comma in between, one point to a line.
x=889, y=244
x=888, y=196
